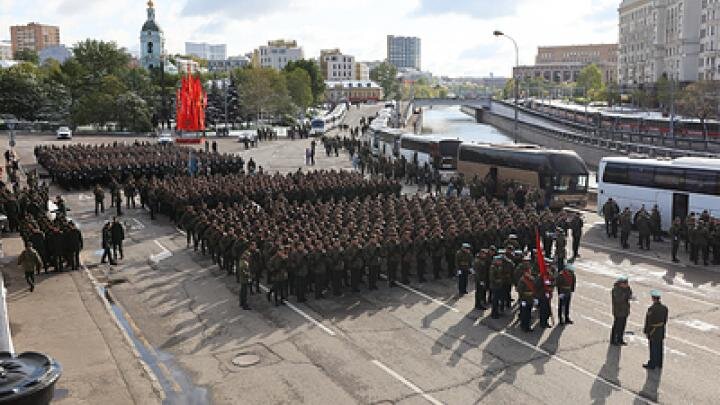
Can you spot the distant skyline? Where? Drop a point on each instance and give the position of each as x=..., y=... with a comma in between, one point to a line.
x=456, y=35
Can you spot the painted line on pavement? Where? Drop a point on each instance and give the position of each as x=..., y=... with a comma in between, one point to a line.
x=577, y=368
x=427, y=297
x=559, y=359
x=669, y=336
x=162, y=255
x=138, y=225
x=604, y=270
x=304, y=315
x=633, y=338
x=697, y=324
x=407, y=383
x=631, y=253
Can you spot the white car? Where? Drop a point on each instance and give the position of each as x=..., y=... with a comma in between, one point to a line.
x=165, y=139
x=63, y=133
x=249, y=134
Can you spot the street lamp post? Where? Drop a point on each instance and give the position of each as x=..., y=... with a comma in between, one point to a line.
x=517, y=64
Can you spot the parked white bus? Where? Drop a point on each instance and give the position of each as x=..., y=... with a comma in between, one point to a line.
x=678, y=186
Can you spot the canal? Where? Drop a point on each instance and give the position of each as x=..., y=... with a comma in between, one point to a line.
x=452, y=122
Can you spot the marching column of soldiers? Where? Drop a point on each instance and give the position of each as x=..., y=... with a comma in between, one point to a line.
x=700, y=234
x=79, y=166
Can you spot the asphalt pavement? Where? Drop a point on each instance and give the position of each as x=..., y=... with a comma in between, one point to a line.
x=416, y=343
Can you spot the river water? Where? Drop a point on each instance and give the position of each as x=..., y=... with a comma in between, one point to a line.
x=453, y=122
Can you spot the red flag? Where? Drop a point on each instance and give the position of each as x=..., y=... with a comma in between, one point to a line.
x=540, y=258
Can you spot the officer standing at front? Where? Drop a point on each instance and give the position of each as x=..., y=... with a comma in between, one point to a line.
x=654, y=329
x=566, y=286
x=621, y=295
x=463, y=258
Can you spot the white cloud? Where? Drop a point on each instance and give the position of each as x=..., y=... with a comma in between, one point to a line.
x=456, y=37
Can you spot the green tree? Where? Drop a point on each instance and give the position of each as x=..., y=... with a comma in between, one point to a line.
x=590, y=79
x=262, y=91
x=317, y=82
x=27, y=55
x=299, y=87
x=700, y=100
x=21, y=91
x=385, y=74
x=132, y=113
x=509, y=89
x=99, y=58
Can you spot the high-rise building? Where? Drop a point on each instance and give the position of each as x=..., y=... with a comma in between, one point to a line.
x=206, y=51
x=564, y=63
x=403, y=52
x=6, y=50
x=152, y=41
x=277, y=54
x=231, y=63
x=659, y=38
x=33, y=36
x=709, y=61
x=336, y=66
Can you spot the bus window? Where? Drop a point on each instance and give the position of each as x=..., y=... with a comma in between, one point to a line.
x=669, y=178
x=701, y=182
x=642, y=176
x=615, y=173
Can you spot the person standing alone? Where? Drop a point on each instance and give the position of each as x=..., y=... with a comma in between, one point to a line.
x=621, y=294
x=31, y=262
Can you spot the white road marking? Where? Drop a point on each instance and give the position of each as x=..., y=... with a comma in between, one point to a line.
x=593, y=285
x=697, y=324
x=606, y=270
x=138, y=225
x=575, y=367
x=427, y=297
x=669, y=336
x=84, y=197
x=633, y=338
x=553, y=356
x=304, y=315
x=407, y=383
x=162, y=255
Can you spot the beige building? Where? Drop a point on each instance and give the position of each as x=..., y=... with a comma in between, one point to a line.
x=709, y=61
x=362, y=71
x=276, y=54
x=353, y=91
x=34, y=37
x=564, y=63
x=659, y=37
x=335, y=65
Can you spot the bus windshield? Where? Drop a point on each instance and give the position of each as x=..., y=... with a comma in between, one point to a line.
x=318, y=123
x=570, y=184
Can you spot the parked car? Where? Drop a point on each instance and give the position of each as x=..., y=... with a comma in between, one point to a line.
x=249, y=135
x=165, y=139
x=63, y=133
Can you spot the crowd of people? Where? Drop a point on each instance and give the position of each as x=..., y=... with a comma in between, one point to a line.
x=700, y=234
x=79, y=166
x=173, y=194
x=326, y=246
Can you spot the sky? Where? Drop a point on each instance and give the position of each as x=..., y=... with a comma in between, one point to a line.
x=456, y=35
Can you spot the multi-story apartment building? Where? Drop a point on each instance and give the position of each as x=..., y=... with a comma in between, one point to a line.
x=277, y=54
x=659, y=38
x=337, y=66
x=362, y=71
x=33, y=36
x=564, y=63
x=403, y=52
x=206, y=51
x=709, y=61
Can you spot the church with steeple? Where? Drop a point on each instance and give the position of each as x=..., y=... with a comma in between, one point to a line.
x=152, y=42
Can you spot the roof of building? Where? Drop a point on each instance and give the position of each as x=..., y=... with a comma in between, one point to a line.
x=151, y=25
x=352, y=84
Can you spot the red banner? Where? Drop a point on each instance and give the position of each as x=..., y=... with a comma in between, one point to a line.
x=191, y=101
x=540, y=257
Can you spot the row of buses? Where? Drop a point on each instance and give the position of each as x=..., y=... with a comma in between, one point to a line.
x=322, y=124
x=677, y=186
x=562, y=174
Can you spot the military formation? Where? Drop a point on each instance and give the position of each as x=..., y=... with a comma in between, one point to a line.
x=700, y=234
x=81, y=166
x=173, y=194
